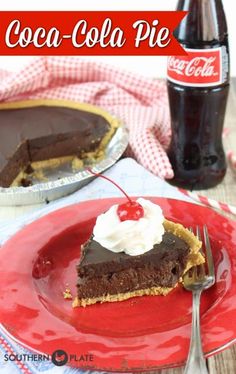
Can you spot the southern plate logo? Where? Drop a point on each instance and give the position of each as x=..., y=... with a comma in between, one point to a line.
x=59, y=357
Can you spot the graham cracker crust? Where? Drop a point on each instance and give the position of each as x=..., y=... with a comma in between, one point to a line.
x=53, y=163
x=153, y=291
x=195, y=257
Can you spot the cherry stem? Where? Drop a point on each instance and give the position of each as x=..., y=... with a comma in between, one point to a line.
x=108, y=179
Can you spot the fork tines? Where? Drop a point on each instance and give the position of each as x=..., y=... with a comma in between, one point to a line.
x=207, y=253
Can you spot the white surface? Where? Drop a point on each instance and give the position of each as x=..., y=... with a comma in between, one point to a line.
x=153, y=66
x=131, y=176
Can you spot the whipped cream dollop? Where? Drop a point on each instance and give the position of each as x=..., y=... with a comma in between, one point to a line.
x=132, y=237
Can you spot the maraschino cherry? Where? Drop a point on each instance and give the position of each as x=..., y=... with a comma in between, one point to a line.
x=127, y=211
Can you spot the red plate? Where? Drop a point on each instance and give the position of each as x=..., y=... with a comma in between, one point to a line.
x=149, y=332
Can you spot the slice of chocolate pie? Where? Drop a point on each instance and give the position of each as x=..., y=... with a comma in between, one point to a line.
x=134, y=257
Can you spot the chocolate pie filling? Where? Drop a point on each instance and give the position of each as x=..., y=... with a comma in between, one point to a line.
x=102, y=272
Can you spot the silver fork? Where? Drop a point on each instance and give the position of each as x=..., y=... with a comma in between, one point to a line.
x=197, y=280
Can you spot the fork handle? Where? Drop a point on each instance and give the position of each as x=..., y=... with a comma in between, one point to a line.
x=196, y=362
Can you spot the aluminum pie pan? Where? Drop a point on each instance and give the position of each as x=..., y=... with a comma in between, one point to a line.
x=52, y=190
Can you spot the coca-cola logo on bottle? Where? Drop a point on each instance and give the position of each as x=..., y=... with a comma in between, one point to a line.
x=198, y=68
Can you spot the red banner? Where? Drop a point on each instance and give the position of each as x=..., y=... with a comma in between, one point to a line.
x=89, y=33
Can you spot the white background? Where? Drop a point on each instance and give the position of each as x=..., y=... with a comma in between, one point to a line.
x=146, y=65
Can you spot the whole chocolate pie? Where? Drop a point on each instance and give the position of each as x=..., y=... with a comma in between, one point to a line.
x=39, y=133
x=113, y=275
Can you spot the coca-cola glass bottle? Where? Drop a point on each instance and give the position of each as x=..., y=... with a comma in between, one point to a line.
x=198, y=86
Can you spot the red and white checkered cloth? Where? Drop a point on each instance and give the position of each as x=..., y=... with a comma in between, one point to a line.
x=141, y=103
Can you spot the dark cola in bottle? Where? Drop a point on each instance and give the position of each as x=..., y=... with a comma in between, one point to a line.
x=198, y=86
